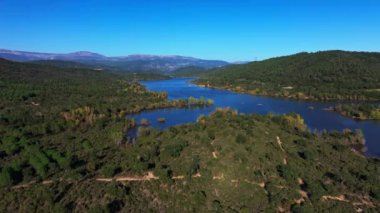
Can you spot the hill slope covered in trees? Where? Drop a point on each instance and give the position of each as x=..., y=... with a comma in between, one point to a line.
x=45, y=110
x=63, y=148
x=223, y=163
x=328, y=75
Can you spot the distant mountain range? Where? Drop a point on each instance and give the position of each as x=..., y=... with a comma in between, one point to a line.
x=120, y=63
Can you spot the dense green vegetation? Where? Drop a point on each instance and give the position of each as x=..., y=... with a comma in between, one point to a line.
x=46, y=112
x=329, y=75
x=358, y=111
x=63, y=148
x=189, y=72
x=223, y=163
x=65, y=64
x=130, y=74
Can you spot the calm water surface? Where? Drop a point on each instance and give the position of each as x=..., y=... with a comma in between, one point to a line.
x=315, y=119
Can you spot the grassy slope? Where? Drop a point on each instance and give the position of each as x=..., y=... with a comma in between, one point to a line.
x=321, y=75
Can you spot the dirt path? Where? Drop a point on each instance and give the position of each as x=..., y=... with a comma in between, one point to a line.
x=284, y=160
x=25, y=185
x=338, y=198
x=214, y=154
x=147, y=177
x=280, y=143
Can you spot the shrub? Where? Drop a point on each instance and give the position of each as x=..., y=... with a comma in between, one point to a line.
x=175, y=149
x=165, y=174
x=9, y=145
x=116, y=190
x=38, y=166
x=109, y=170
x=194, y=166
x=217, y=207
x=62, y=161
x=211, y=134
x=241, y=138
x=286, y=172
x=7, y=176
x=315, y=189
x=200, y=197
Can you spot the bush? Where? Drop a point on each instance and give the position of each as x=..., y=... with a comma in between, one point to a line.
x=63, y=162
x=286, y=172
x=211, y=134
x=305, y=207
x=194, y=166
x=9, y=145
x=165, y=174
x=316, y=190
x=217, y=207
x=109, y=170
x=7, y=176
x=38, y=160
x=38, y=166
x=241, y=138
x=200, y=197
x=175, y=149
x=115, y=190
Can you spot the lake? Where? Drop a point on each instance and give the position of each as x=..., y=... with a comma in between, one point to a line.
x=181, y=88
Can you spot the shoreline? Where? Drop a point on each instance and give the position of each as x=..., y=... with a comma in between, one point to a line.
x=306, y=99
x=344, y=114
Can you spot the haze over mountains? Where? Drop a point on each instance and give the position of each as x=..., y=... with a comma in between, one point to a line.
x=130, y=62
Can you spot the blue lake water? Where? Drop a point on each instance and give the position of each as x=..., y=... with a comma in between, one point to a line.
x=315, y=119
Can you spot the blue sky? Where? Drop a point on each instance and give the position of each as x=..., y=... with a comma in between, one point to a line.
x=228, y=30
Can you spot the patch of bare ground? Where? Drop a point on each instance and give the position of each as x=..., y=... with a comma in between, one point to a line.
x=284, y=160
x=149, y=176
x=279, y=143
x=360, y=200
x=25, y=185
x=219, y=177
x=341, y=198
x=178, y=177
x=214, y=154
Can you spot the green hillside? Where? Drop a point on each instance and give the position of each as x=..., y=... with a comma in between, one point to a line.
x=223, y=163
x=63, y=148
x=65, y=64
x=358, y=111
x=46, y=112
x=328, y=75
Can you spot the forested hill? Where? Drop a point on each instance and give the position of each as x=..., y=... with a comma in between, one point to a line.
x=321, y=75
x=189, y=71
x=59, y=70
x=32, y=71
x=63, y=148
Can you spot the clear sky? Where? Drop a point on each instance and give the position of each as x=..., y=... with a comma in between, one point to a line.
x=228, y=30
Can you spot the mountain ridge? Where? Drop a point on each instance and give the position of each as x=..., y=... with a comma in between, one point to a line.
x=135, y=62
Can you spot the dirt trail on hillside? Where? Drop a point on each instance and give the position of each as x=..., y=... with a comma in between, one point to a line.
x=214, y=154
x=338, y=198
x=284, y=160
x=148, y=177
x=279, y=143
